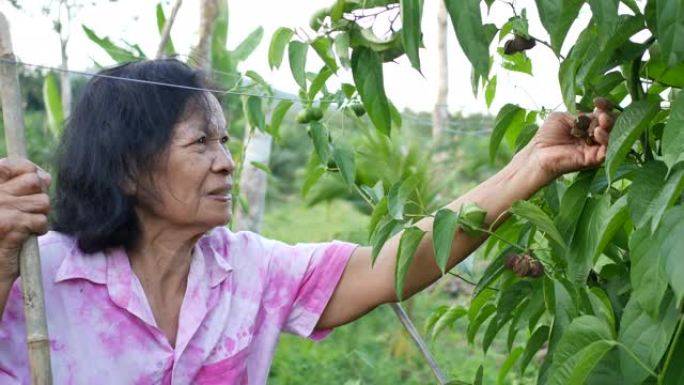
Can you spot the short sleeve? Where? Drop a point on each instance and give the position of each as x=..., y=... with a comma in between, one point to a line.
x=306, y=275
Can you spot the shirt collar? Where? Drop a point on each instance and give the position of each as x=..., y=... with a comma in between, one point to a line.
x=93, y=267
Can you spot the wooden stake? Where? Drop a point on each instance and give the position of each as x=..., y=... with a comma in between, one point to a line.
x=29, y=257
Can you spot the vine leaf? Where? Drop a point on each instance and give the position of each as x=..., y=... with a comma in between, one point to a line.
x=471, y=34
x=647, y=275
x=296, y=52
x=669, y=236
x=537, y=217
x=509, y=117
x=409, y=242
x=557, y=16
x=367, y=72
x=276, y=50
x=411, y=14
x=629, y=125
x=444, y=229
x=645, y=337
x=586, y=340
x=670, y=30
x=673, y=135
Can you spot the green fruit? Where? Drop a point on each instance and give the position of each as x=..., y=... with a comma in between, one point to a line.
x=315, y=114
x=358, y=109
x=303, y=116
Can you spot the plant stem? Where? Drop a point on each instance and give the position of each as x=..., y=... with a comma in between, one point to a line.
x=670, y=353
x=497, y=236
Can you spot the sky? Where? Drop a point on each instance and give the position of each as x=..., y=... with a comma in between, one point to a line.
x=134, y=20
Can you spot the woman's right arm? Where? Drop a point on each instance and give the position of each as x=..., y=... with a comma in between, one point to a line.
x=24, y=206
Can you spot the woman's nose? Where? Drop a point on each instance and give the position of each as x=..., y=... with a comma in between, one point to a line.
x=223, y=162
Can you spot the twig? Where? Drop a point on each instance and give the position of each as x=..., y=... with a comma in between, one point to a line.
x=418, y=340
x=166, y=32
x=542, y=42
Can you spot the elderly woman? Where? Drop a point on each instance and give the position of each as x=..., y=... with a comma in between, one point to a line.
x=145, y=285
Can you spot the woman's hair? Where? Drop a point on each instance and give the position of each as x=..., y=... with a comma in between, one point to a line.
x=117, y=132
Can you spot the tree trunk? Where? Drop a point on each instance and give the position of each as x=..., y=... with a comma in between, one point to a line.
x=202, y=52
x=440, y=114
x=253, y=183
x=65, y=79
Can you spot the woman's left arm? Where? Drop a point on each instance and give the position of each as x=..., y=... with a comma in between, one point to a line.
x=552, y=152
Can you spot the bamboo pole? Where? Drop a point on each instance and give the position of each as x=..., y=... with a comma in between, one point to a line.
x=29, y=257
x=166, y=32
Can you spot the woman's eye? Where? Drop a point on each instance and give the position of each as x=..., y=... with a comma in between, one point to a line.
x=224, y=140
x=202, y=140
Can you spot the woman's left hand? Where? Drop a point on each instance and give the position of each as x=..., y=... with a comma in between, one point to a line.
x=554, y=150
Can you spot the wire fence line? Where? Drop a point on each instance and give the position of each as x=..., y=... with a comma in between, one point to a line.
x=454, y=127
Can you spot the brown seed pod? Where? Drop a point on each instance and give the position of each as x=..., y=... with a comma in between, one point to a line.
x=603, y=104
x=536, y=270
x=581, y=127
x=518, y=44
x=524, y=266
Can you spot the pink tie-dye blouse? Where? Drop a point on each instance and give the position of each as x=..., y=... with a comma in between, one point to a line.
x=242, y=291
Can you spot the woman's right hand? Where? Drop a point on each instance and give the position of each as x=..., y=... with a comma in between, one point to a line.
x=24, y=206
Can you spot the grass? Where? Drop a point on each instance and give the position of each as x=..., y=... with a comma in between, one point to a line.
x=373, y=349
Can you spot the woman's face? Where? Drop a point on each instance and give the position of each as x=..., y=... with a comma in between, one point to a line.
x=192, y=185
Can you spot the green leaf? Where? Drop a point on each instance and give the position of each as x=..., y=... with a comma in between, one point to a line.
x=379, y=211
x=169, y=50
x=674, y=374
x=508, y=364
x=311, y=178
x=411, y=15
x=452, y=315
x=319, y=136
x=409, y=242
x=278, y=115
x=646, y=337
x=474, y=325
x=323, y=48
x=319, y=81
x=647, y=183
x=247, y=46
x=255, y=113
x=467, y=21
x=667, y=196
x=276, y=50
x=518, y=62
x=444, y=229
x=669, y=236
x=385, y=229
x=119, y=54
x=509, y=117
x=296, y=51
x=605, y=14
x=670, y=30
x=614, y=219
x=398, y=194
x=583, y=344
x=471, y=218
x=341, y=46
x=647, y=275
x=344, y=157
x=367, y=71
x=537, y=217
x=536, y=341
x=53, y=104
x=492, y=272
x=673, y=134
x=490, y=91
x=629, y=125
x=261, y=166
x=479, y=375
x=557, y=16
x=581, y=250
